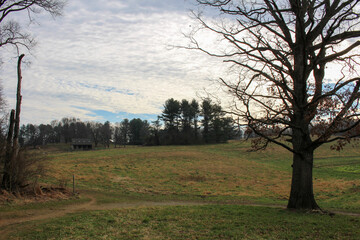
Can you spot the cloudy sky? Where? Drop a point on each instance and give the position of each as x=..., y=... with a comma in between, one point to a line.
x=108, y=60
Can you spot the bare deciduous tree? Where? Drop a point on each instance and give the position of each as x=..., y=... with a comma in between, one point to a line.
x=284, y=51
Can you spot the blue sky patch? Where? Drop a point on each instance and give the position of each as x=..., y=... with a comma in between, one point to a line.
x=103, y=115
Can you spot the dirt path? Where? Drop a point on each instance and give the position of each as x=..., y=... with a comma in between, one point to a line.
x=31, y=215
x=10, y=223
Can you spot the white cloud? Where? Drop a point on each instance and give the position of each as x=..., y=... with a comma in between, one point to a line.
x=110, y=56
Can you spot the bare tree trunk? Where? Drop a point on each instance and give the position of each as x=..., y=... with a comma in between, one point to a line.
x=12, y=144
x=9, y=140
x=302, y=194
x=18, y=108
x=5, y=183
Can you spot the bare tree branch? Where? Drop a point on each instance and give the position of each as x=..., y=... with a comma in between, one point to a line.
x=10, y=31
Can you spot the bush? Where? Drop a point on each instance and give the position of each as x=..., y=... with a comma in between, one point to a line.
x=23, y=171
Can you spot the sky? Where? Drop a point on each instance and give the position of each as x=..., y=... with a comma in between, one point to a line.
x=108, y=60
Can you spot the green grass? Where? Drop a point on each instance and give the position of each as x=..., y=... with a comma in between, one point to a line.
x=216, y=174
x=199, y=222
x=166, y=171
x=222, y=172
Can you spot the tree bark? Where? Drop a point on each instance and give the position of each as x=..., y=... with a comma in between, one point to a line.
x=6, y=179
x=12, y=144
x=18, y=109
x=302, y=194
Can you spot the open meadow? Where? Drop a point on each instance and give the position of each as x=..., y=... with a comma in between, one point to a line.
x=187, y=192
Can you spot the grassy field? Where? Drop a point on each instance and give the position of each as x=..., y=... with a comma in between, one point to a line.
x=222, y=176
x=225, y=172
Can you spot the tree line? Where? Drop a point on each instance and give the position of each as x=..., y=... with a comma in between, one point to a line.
x=181, y=122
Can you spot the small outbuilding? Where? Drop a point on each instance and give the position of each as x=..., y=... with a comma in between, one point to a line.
x=81, y=144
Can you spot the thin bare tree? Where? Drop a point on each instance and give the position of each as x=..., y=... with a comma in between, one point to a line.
x=283, y=51
x=14, y=169
x=10, y=180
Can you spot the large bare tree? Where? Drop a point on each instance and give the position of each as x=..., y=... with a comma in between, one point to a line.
x=286, y=90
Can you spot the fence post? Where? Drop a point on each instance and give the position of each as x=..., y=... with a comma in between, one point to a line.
x=74, y=184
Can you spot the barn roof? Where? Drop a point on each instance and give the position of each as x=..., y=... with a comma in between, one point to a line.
x=81, y=141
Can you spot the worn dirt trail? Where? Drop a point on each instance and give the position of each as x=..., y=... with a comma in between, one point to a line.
x=9, y=223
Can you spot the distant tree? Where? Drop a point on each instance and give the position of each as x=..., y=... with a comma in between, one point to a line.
x=171, y=113
x=22, y=135
x=217, y=127
x=145, y=132
x=32, y=135
x=154, y=133
x=124, y=131
x=195, y=114
x=45, y=133
x=189, y=121
x=71, y=127
x=65, y=129
x=117, y=134
x=186, y=121
x=223, y=129
x=106, y=133
x=81, y=130
x=171, y=118
x=95, y=131
x=56, y=135
x=138, y=131
x=76, y=129
x=186, y=114
x=283, y=51
x=207, y=112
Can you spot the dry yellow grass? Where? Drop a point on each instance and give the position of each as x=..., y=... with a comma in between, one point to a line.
x=224, y=171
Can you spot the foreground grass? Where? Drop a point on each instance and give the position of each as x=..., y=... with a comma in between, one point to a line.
x=196, y=222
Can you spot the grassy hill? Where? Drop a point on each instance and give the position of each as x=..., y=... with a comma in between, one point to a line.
x=223, y=176
x=224, y=172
